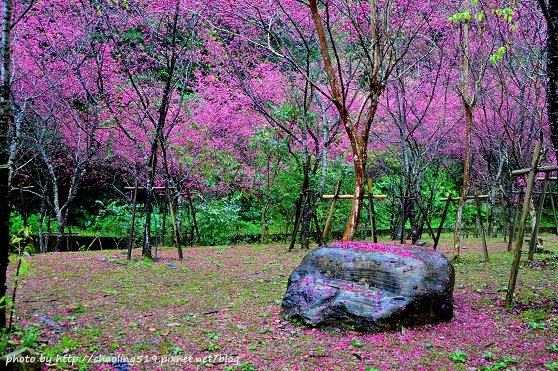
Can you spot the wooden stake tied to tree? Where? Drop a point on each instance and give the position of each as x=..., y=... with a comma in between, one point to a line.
x=378, y=46
x=532, y=171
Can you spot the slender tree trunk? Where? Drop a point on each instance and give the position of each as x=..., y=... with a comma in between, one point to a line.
x=466, y=170
x=5, y=118
x=42, y=215
x=358, y=194
x=552, y=72
x=533, y=213
x=321, y=184
x=146, y=250
x=468, y=106
x=264, y=222
x=59, y=230
x=306, y=221
x=194, y=220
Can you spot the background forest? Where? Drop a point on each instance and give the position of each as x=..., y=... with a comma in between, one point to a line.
x=229, y=105
x=157, y=124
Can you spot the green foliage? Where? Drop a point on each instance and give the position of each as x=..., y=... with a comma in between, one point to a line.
x=20, y=337
x=219, y=220
x=356, y=343
x=113, y=217
x=458, y=356
x=499, y=54
x=22, y=241
x=501, y=365
x=462, y=16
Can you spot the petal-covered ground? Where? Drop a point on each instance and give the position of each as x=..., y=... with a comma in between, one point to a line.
x=219, y=309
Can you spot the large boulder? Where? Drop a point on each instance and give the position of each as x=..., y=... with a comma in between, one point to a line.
x=370, y=287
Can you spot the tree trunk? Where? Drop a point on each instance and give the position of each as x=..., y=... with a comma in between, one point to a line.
x=552, y=73
x=466, y=166
x=146, y=250
x=533, y=213
x=468, y=106
x=42, y=214
x=412, y=219
x=306, y=221
x=5, y=117
x=59, y=231
x=264, y=222
x=358, y=194
x=4, y=230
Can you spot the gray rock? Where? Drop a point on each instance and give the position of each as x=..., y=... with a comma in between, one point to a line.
x=370, y=290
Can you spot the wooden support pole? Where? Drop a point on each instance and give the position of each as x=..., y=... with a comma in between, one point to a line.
x=174, y=225
x=536, y=192
x=553, y=205
x=419, y=203
x=347, y=197
x=403, y=219
x=535, y=234
x=481, y=197
x=331, y=209
x=514, y=222
x=506, y=219
x=320, y=241
x=371, y=211
x=298, y=216
x=522, y=224
x=164, y=221
x=540, y=169
x=481, y=228
x=299, y=221
x=488, y=210
x=131, y=239
x=23, y=210
x=143, y=188
x=193, y=211
x=437, y=238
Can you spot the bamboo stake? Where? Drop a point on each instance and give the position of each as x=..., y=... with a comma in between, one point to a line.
x=481, y=197
x=514, y=222
x=193, y=212
x=347, y=197
x=23, y=211
x=331, y=209
x=481, y=229
x=535, y=169
x=174, y=226
x=419, y=203
x=131, y=240
x=403, y=220
x=535, y=234
x=371, y=211
x=298, y=216
x=522, y=224
x=553, y=205
x=153, y=188
x=448, y=200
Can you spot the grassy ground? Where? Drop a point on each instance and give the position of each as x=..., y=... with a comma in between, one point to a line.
x=219, y=309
